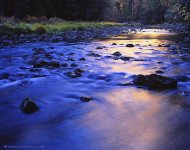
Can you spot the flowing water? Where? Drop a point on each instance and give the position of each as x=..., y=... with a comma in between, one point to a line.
x=119, y=117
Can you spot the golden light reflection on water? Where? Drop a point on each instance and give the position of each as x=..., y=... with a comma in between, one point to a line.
x=142, y=115
x=146, y=44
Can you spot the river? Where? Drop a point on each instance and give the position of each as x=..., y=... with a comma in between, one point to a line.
x=118, y=118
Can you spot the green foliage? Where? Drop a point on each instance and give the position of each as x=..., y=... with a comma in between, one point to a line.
x=41, y=28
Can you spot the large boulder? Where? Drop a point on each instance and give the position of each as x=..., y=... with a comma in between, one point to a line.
x=155, y=82
x=28, y=106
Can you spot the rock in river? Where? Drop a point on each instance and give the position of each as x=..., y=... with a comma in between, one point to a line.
x=130, y=45
x=155, y=82
x=28, y=106
x=117, y=54
x=38, y=51
x=125, y=58
x=77, y=73
x=85, y=99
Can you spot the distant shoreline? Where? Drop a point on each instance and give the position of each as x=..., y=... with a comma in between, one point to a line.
x=82, y=31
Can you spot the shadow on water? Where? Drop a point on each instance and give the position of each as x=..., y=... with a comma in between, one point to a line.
x=118, y=117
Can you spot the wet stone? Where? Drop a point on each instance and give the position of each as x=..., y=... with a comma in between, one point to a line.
x=183, y=78
x=155, y=82
x=172, y=47
x=6, y=43
x=85, y=99
x=99, y=47
x=38, y=51
x=77, y=73
x=159, y=71
x=28, y=106
x=34, y=70
x=125, y=58
x=56, y=40
x=71, y=53
x=4, y=76
x=42, y=64
x=114, y=44
x=82, y=59
x=71, y=59
x=130, y=45
x=126, y=84
x=184, y=93
x=94, y=55
x=74, y=65
x=71, y=75
x=65, y=65
x=117, y=54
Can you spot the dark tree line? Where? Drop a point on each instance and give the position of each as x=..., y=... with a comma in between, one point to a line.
x=146, y=11
x=153, y=11
x=65, y=9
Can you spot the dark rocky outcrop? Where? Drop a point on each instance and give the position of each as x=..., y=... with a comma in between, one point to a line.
x=28, y=106
x=155, y=82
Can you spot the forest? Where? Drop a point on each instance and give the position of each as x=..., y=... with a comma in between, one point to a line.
x=145, y=11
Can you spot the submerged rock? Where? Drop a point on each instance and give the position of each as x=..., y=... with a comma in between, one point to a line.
x=28, y=106
x=85, y=99
x=65, y=65
x=77, y=73
x=6, y=43
x=38, y=51
x=125, y=58
x=56, y=40
x=114, y=44
x=184, y=93
x=159, y=71
x=183, y=78
x=117, y=54
x=42, y=64
x=94, y=55
x=130, y=45
x=71, y=59
x=99, y=47
x=74, y=65
x=172, y=47
x=4, y=76
x=82, y=59
x=155, y=82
